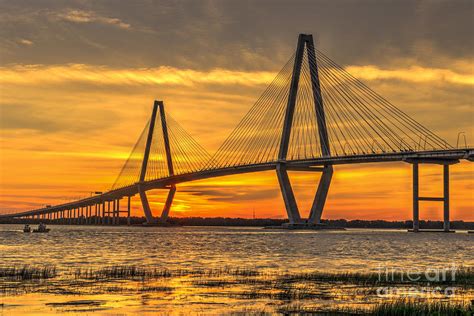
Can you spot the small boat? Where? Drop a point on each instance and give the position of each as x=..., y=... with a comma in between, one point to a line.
x=41, y=229
x=27, y=229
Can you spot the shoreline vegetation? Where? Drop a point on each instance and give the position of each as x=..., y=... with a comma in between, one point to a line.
x=290, y=293
x=262, y=222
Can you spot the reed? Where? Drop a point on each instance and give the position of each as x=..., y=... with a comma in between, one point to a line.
x=464, y=276
x=404, y=307
x=28, y=273
x=137, y=272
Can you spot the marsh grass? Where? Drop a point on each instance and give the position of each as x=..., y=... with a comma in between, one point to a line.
x=464, y=276
x=400, y=307
x=294, y=289
x=404, y=307
x=132, y=272
x=28, y=273
x=220, y=277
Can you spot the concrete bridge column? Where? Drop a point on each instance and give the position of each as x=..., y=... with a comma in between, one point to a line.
x=288, y=196
x=103, y=213
x=117, y=221
x=446, y=225
x=114, y=212
x=416, y=201
x=321, y=196
x=169, y=201
x=444, y=199
x=108, y=213
x=146, y=207
x=128, y=211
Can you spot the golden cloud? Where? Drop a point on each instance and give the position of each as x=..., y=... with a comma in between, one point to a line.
x=415, y=74
x=35, y=74
x=164, y=75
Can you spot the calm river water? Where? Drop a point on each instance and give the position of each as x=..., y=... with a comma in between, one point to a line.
x=69, y=248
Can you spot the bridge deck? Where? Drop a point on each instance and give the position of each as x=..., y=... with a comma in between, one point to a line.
x=435, y=156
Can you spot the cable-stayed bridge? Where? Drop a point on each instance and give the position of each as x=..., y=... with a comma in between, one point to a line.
x=312, y=116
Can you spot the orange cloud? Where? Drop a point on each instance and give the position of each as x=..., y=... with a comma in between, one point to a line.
x=40, y=74
x=415, y=74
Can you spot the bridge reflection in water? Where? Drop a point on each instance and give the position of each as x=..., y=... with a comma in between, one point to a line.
x=314, y=115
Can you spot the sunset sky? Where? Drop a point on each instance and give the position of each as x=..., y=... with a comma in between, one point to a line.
x=78, y=80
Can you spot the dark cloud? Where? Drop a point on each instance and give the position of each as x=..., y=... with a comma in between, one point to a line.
x=232, y=194
x=232, y=34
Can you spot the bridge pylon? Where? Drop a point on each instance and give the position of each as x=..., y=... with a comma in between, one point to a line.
x=150, y=219
x=305, y=42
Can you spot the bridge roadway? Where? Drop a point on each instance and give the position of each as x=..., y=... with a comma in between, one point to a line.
x=450, y=156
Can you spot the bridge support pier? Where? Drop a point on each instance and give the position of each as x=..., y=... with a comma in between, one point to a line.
x=103, y=214
x=150, y=219
x=108, y=213
x=291, y=206
x=416, y=203
x=169, y=201
x=88, y=215
x=117, y=213
x=321, y=195
x=288, y=196
x=444, y=199
x=128, y=211
x=146, y=207
x=114, y=210
x=446, y=225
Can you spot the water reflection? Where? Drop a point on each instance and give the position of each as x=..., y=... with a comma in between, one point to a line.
x=191, y=250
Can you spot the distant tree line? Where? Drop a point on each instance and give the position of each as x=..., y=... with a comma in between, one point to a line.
x=261, y=222
x=227, y=221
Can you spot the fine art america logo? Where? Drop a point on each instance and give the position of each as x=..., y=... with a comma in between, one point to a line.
x=429, y=282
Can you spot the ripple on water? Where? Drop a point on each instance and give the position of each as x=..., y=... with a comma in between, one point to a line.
x=209, y=247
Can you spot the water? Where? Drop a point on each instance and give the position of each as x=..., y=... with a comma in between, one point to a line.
x=191, y=248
